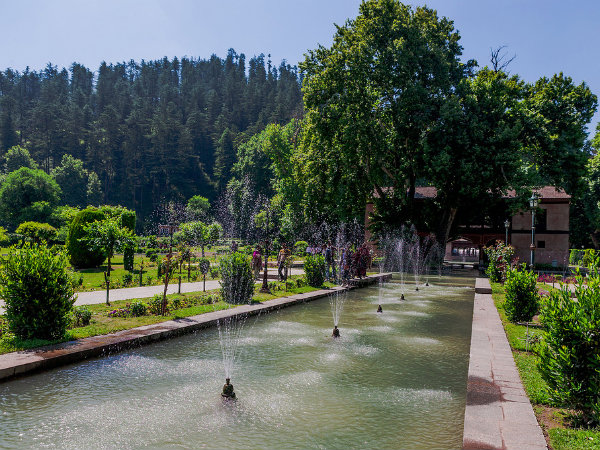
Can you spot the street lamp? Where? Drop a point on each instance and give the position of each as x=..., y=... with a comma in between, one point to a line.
x=533, y=203
x=506, y=225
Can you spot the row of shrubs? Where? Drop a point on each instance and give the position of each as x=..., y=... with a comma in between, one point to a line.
x=569, y=350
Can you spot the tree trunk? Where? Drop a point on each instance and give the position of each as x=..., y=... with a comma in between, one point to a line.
x=445, y=226
x=107, y=281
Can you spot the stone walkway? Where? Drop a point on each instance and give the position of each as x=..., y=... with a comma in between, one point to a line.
x=498, y=415
x=44, y=358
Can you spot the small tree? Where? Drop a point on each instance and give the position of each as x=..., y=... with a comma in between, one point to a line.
x=108, y=236
x=198, y=206
x=198, y=233
x=37, y=290
x=37, y=232
x=204, y=266
x=167, y=268
x=237, y=280
x=570, y=349
x=80, y=254
x=522, y=298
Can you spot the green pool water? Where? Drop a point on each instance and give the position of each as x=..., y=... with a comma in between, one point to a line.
x=394, y=380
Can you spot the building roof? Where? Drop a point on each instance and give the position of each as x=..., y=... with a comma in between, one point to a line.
x=544, y=193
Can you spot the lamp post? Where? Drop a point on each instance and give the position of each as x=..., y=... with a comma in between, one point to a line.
x=533, y=203
x=506, y=225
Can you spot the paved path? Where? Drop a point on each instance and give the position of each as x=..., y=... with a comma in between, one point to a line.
x=94, y=297
x=498, y=414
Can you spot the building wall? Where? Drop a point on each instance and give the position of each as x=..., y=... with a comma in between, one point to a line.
x=555, y=239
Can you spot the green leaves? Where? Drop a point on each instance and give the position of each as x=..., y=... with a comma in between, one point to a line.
x=108, y=236
x=570, y=351
x=38, y=291
x=522, y=298
x=237, y=280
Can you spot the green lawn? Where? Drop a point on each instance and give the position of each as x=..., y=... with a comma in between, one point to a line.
x=561, y=436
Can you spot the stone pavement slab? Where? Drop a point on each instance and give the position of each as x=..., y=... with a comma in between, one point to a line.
x=28, y=361
x=498, y=415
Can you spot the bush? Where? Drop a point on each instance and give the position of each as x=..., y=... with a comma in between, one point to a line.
x=522, y=298
x=36, y=231
x=80, y=255
x=570, y=349
x=155, y=305
x=237, y=285
x=300, y=248
x=214, y=272
x=137, y=309
x=38, y=292
x=589, y=255
x=576, y=257
x=127, y=278
x=314, y=268
x=81, y=316
x=500, y=257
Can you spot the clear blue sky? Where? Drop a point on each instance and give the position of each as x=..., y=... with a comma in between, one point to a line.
x=547, y=36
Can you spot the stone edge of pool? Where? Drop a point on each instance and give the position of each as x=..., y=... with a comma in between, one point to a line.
x=26, y=362
x=498, y=414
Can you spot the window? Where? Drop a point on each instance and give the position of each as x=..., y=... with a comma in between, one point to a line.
x=541, y=216
x=541, y=244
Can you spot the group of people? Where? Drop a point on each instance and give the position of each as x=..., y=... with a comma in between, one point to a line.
x=346, y=261
x=283, y=258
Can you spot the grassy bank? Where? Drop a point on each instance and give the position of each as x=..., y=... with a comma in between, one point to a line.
x=180, y=306
x=553, y=418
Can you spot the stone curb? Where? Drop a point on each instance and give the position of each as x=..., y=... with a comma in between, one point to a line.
x=498, y=414
x=44, y=358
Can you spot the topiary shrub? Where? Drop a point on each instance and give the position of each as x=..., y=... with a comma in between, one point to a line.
x=522, y=298
x=570, y=348
x=79, y=253
x=38, y=292
x=314, y=268
x=37, y=232
x=237, y=284
x=128, y=221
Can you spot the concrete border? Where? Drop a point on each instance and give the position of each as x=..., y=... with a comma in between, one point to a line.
x=44, y=358
x=498, y=414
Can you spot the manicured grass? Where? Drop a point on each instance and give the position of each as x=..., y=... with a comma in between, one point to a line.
x=561, y=438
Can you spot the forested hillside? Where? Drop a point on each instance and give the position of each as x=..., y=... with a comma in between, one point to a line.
x=152, y=131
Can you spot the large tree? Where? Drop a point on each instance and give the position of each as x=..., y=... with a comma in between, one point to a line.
x=373, y=94
x=28, y=194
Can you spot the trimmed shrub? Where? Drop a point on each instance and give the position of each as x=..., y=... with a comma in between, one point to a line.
x=576, y=257
x=314, y=268
x=570, y=349
x=38, y=292
x=237, y=285
x=36, y=231
x=79, y=253
x=204, y=265
x=128, y=221
x=81, y=316
x=137, y=309
x=522, y=298
x=214, y=272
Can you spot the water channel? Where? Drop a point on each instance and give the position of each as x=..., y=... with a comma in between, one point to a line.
x=393, y=380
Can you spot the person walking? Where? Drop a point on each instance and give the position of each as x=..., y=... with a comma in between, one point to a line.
x=256, y=262
x=281, y=262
